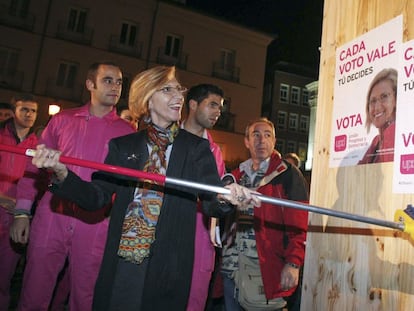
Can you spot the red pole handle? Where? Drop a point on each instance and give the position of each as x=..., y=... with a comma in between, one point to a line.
x=160, y=179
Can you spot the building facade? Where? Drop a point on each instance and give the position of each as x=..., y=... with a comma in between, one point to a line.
x=286, y=104
x=48, y=46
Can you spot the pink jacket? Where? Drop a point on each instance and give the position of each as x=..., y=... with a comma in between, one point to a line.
x=215, y=149
x=12, y=166
x=76, y=133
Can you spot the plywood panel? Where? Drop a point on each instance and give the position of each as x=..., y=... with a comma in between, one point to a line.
x=351, y=265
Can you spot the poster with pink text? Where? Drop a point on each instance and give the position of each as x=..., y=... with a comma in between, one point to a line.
x=403, y=179
x=365, y=93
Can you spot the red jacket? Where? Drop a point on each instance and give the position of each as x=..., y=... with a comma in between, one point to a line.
x=383, y=153
x=271, y=220
x=12, y=166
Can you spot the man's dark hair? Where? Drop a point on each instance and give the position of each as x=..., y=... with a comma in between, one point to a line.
x=93, y=69
x=202, y=91
x=6, y=106
x=24, y=97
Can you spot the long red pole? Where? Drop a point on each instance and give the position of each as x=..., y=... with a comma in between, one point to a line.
x=161, y=179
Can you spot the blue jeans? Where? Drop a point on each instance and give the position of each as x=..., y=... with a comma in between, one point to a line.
x=230, y=294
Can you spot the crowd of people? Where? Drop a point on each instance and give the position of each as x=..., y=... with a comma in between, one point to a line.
x=99, y=240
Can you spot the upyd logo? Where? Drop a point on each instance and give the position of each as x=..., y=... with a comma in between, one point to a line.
x=407, y=164
x=340, y=143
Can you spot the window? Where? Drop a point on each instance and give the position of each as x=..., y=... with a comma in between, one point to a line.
x=293, y=121
x=19, y=8
x=303, y=151
x=304, y=124
x=172, y=45
x=8, y=61
x=66, y=75
x=129, y=32
x=77, y=20
x=305, y=97
x=295, y=95
x=281, y=120
x=284, y=93
x=227, y=59
x=280, y=145
x=291, y=146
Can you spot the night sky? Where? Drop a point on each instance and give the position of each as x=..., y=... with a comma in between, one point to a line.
x=297, y=23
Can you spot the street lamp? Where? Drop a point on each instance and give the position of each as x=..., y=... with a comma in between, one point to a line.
x=53, y=109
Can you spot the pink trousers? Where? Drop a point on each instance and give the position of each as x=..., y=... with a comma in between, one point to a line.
x=10, y=254
x=53, y=239
x=204, y=254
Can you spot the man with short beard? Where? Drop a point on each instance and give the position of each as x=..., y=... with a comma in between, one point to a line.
x=18, y=132
x=204, y=103
x=61, y=230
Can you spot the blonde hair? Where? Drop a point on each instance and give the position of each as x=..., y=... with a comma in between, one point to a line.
x=388, y=74
x=144, y=85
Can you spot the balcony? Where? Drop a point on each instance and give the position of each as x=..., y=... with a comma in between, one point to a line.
x=9, y=19
x=225, y=72
x=71, y=93
x=130, y=50
x=84, y=37
x=180, y=61
x=13, y=81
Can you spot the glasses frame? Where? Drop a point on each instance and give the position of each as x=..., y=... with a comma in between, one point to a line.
x=170, y=89
x=384, y=97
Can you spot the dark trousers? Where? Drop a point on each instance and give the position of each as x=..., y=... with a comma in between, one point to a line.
x=128, y=286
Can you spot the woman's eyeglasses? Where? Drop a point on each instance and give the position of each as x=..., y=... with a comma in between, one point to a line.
x=171, y=89
x=381, y=99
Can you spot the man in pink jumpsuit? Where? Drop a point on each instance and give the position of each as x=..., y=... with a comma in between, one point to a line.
x=204, y=103
x=61, y=230
x=15, y=131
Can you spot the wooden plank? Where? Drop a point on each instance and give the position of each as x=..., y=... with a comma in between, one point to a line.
x=351, y=265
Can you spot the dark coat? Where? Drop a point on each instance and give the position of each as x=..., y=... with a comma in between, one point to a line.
x=168, y=276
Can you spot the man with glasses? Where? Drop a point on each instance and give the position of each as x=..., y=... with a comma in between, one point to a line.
x=60, y=230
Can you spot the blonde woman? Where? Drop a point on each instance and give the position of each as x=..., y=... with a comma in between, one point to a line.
x=149, y=252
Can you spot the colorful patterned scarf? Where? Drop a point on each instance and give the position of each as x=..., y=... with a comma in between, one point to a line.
x=138, y=230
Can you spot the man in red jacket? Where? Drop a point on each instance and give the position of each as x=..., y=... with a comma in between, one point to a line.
x=15, y=131
x=271, y=236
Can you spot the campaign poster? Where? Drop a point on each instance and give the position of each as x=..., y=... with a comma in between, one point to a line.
x=403, y=179
x=365, y=91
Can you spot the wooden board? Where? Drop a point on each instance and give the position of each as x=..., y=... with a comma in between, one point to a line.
x=351, y=265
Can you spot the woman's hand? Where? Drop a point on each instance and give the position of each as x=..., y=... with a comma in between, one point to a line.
x=240, y=195
x=49, y=158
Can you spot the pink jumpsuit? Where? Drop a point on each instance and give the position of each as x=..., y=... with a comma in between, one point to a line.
x=12, y=167
x=61, y=230
x=204, y=252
